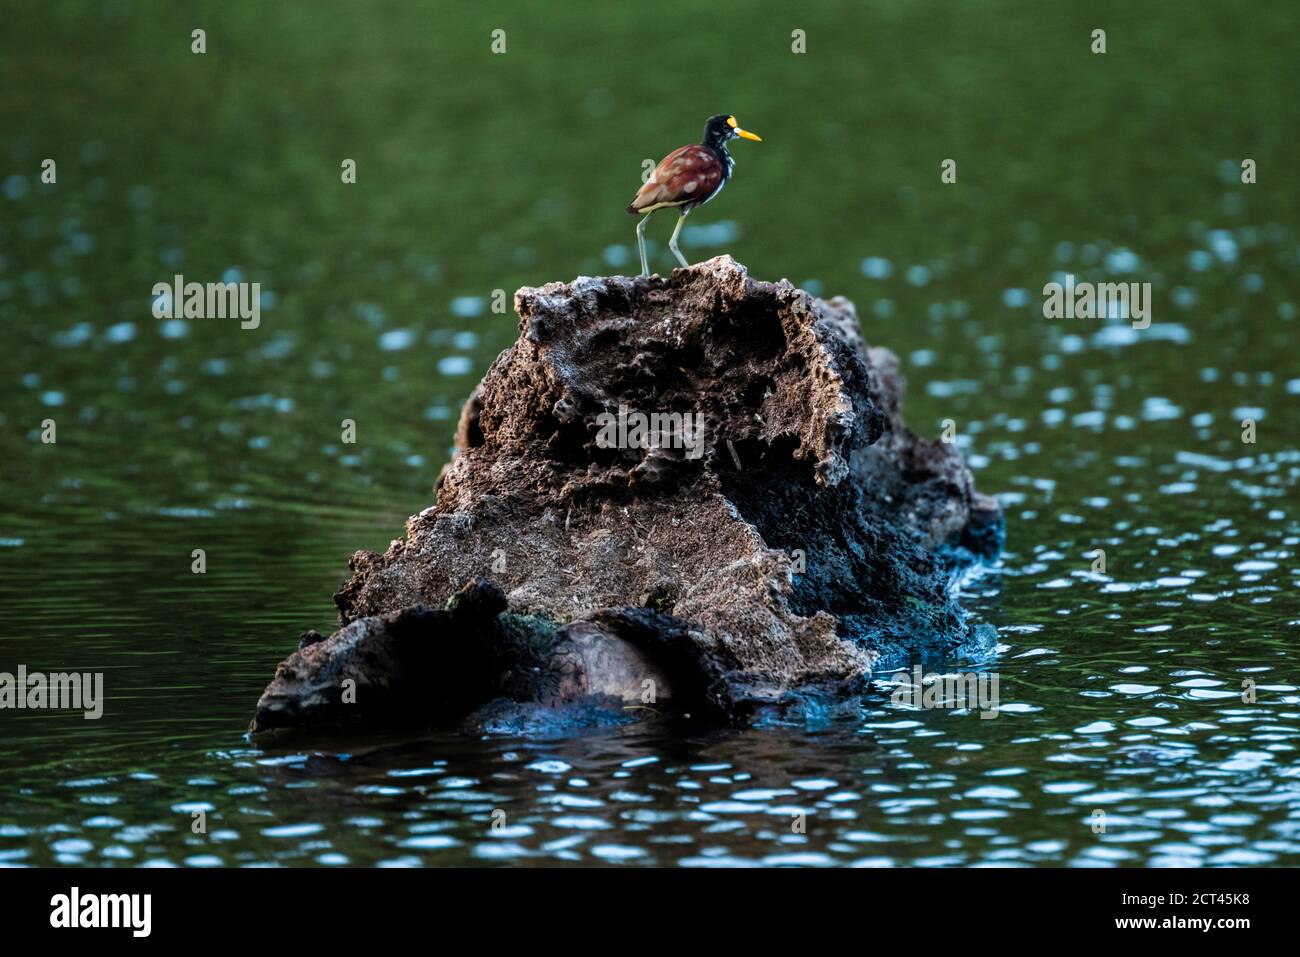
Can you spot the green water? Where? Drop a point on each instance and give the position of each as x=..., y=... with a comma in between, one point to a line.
x=1121, y=693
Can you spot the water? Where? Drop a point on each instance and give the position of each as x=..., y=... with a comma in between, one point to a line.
x=1121, y=693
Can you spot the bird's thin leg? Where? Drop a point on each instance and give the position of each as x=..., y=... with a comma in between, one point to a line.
x=640, y=242
x=672, y=243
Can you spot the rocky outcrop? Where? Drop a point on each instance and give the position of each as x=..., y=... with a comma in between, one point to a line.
x=772, y=533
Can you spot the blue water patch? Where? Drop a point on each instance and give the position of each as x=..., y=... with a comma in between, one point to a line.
x=877, y=267
x=396, y=340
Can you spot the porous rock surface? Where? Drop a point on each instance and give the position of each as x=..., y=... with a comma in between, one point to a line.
x=814, y=534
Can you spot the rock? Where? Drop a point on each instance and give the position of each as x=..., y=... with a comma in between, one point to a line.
x=772, y=549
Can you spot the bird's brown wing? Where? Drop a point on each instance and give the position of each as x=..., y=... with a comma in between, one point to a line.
x=685, y=175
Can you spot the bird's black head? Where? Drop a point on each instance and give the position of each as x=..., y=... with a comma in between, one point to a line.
x=723, y=127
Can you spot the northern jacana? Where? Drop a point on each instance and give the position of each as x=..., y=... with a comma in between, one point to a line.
x=686, y=178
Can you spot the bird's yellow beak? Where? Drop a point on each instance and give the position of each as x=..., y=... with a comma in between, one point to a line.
x=744, y=134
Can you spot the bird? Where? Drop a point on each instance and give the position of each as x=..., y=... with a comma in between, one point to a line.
x=686, y=178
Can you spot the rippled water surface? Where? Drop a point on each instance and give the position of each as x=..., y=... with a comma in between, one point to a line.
x=1149, y=713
